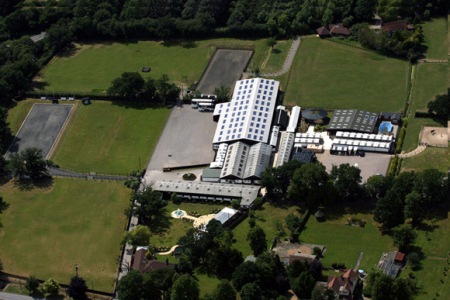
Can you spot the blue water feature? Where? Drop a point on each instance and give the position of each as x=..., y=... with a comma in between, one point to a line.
x=385, y=127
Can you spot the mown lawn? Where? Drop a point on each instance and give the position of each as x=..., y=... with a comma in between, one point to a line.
x=92, y=67
x=434, y=243
x=271, y=219
x=435, y=33
x=430, y=81
x=430, y=158
x=107, y=137
x=49, y=230
x=277, y=56
x=330, y=75
x=344, y=243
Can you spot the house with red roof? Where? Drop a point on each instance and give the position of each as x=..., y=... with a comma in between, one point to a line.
x=344, y=285
x=390, y=27
x=145, y=265
x=333, y=30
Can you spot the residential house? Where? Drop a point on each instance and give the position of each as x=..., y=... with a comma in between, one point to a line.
x=344, y=285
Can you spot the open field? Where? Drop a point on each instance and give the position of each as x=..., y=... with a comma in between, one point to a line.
x=92, y=67
x=344, y=243
x=330, y=75
x=271, y=219
x=435, y=33
x=108, y=137
x=18, y=113
x=277, y=56
x=430, y=158
x=437, y=252
x=430, y=81
x=41, y=128
x=49, y=230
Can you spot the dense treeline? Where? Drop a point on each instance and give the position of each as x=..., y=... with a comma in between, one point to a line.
x=193, y=18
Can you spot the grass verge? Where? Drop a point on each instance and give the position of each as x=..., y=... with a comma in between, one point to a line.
x=435, y=33
x=430, y=158
x=49, y=230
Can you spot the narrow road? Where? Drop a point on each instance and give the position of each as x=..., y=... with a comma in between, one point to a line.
x=57, y=172
x=288, y=61
x=358, y=262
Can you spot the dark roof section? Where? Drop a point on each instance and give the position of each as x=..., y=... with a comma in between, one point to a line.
x=304, y=156
x=323, y=32
x=281, y=118
x=142, y=264
x=353, y=120
x=390, y=115
x=396, y=26
x=338, y=29
x=314, y=114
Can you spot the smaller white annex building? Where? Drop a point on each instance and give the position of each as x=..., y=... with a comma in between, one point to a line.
x=225, y=214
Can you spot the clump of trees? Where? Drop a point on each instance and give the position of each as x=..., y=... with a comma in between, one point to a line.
x=380, y=286
x=131, y=85
x=440, y=107
x=28, y=164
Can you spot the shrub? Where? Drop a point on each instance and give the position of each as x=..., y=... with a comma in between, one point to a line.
x=251, y=222
x=175, y=199
x=393, y=166
x=236, y=204
x=257, y=203
x=400, y=139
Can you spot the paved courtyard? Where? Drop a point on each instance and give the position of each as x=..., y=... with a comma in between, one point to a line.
x=370, y=164
x=186, y=140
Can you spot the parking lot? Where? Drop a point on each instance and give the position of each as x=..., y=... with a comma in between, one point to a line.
x=41, y=128
x=186, y=140
x=370, y=164
x=224, y=69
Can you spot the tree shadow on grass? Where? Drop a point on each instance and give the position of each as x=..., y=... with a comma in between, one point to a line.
x=29, y=184
x=137, y=104
x=338, y=210
x=161, y=225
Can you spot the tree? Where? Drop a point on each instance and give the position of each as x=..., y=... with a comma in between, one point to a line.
x=258, y=241
x=321, y=292
x=50, y=287
x=246, y=272
x=293, y=223
x=166, y=91
x=307, y=184
x=77, y=288
x=346, y=181
x=5, y=131
x=440, y=107
x=382, y=288
x=222, y=93
x=130, y=286
x=250, y=291
x=377, y=186
x=129, y=84
x=414, y=208
x=29, y=163
x=185, y=287
x=150, y=288
x=304, y=285
x=404, y=237
x=364, y=9
x=59, y=36
x=224, y=291
x=149, y=207
x=149, y=89
x=32, y=285
x=431, y=185
x=271, y=42
x=389, y=210
x=139, y=236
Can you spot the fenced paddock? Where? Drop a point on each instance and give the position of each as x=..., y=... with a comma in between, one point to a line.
x=41, y=128
x=224, y=69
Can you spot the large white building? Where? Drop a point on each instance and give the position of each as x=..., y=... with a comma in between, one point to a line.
x=249, y=114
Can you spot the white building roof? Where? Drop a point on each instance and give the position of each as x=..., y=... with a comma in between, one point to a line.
x=249, y=114
x=220, y=156
x=225, y=214
x=286, y=144
x=247, y=193
x=257, y=160
x=293, y=120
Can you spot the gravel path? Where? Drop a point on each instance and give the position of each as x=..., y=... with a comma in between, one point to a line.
x=288, y=61
x=57, y=172
x=416, y=151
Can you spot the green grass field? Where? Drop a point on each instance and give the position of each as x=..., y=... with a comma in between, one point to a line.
x=435, y=33
x=330, y=75
x=436, y=248
x=92, y=67
x=344, y=243
x=277, y=56
x=18, y=113
x=430, y=158
x=49, y=230
x=430, y=81
x=108, y=138
x=271, y=219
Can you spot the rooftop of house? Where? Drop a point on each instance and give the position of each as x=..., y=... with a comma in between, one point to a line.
x=143, y=264
x=396, y=26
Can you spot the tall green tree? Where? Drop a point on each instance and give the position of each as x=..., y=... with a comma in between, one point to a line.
x=29, y=163
x=293, y=223
x=149, y=207
x=347, y=181
x=307, y=184
x=304, y=285
x=32, y=285
x=50, y=287
x=129, y=84
x=440, y=106
x=224, y=291
x=185, y=288
x=404, y=237
x=77, y=288
x=257, y=239
x=251, y=291
x=130, y=286
x=139, y=236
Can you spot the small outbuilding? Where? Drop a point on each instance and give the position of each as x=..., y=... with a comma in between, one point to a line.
x=338, y=30
x=313, y=115
x=323, y=32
